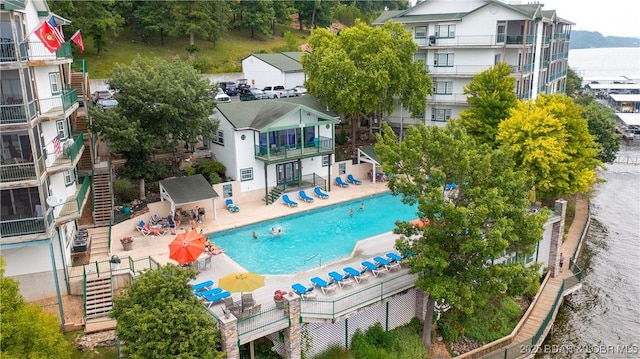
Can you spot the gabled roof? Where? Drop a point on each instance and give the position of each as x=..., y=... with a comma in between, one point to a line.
x=286, y=62
x=259, y=115
x=184, y=190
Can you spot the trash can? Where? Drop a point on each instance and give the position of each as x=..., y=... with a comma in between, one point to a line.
x=115, y=262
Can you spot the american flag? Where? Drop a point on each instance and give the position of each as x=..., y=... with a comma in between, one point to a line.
x=57, y=146
x=56, y=30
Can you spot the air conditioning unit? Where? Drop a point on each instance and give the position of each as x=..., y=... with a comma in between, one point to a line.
x=432, y=40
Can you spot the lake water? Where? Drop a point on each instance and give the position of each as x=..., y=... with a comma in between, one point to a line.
x=603, y=319
x=606, y=63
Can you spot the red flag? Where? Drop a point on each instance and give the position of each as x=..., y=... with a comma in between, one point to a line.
x=77, y=39
x=57, y=146
x=45, y=33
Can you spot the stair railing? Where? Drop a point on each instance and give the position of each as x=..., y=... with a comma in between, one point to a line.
x=109, y=238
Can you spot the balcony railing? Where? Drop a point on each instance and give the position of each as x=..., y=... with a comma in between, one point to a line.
x=560, y=55
x=454, y=98
x=76, y=147
x=319, y=146
x=520, y=39
x=21, y=171
x=73, y=205
x=564, y=37
x=10, y=227
x=9, y=53
x=17, y=112
x=59, y=104
x=557, y=75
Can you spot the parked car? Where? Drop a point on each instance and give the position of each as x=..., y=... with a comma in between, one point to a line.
x=243, y=84
x=273, y=91
x=230, y=88
x=100, y=95
x=252, y=95
x=288, y=93
x=300, y=90
x=106, y=103
x=222, y=97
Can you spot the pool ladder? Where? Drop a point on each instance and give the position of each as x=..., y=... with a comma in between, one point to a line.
x=313, y=256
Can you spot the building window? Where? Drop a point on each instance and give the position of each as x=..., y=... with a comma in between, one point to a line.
x=54, y=80
x=325, y=160
x=422, y=57
x=246, y=174
x=62, y=130
x=445, y=31
x=440, y=115
x=443, y=87
x=420, y=32
x=443, y=60
x=69, y=178
x=227, y=190
x=219, y=138
x=342, y=168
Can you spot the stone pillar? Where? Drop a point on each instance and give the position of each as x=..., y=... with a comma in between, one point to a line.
x=421, y=302
x=292, y=335
x=229, y=335
x=557, y=233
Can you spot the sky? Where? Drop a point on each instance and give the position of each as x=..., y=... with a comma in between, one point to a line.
x=608, y=17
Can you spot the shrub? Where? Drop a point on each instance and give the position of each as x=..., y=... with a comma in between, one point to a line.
x=335, y=352
x=364, y=345
x=342, y=137
x=190, y=171
x=207, y=167
x=203, y=65
x=214, y=178
x=125, y=190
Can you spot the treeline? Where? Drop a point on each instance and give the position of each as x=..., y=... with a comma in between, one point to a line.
x=102, y=21
x=593, y=39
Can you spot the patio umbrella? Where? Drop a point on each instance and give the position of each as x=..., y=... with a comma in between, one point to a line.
x=186, y=247
x=241, y=282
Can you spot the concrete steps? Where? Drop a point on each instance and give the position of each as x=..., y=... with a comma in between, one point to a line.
x=100, y=242
x=98, y=298
x=99, y=324
x=102, y=195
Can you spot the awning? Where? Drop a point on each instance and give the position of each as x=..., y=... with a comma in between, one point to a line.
x=368, y=154
x=187, y=190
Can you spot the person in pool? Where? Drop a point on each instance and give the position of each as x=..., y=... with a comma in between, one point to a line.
x=255, y=235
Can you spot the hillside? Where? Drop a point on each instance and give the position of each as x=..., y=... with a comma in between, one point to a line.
x=593, y=39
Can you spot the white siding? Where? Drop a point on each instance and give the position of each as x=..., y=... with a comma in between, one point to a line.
x=260, y=73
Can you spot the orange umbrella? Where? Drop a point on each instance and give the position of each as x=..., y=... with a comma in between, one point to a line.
x=186, y=247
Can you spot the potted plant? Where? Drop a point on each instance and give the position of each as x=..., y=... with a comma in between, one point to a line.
x=278, y=297
x=127, y=243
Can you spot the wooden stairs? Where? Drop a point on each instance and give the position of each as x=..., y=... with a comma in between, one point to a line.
x=102, y=196
x=100, y=243
x=98, y=305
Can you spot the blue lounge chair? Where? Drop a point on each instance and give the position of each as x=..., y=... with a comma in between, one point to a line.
x=323, y=284
x=341, y=183
x=352, y=180
x=232, y=207
x=386, y=264
x=450, y=186
x=340, y=279
x=302, y=291
x=394, y=257
x=210, y=300
x=286, y=200
x=304, y=197
x=206, y=285
x=209, y=292
x=318, y=193
x=358, y=275
x=374, y=269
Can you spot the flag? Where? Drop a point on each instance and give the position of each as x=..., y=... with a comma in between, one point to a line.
x=57, y=146
x=56, y=30
x=77, y=39
x=48, y=38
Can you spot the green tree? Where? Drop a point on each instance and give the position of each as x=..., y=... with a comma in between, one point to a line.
x=366, y=70
x=97, y=19
x=314, y=13
x=153, y=17
x=574, y=82
x=491, y=98
x=27, y=330
x=205, y=18
x=159, y=317
x=551, y=141
x=160, y=103
x=256, y=15
x=601, y=122
x=470, y=226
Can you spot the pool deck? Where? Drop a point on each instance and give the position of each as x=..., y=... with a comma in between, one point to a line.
x=253, y=212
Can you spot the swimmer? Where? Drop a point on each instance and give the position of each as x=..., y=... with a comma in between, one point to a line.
x=279, y=232
x=255, y=235
x=351, y=212
x=362, y=206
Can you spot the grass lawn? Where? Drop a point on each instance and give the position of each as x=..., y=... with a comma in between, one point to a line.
x=225, y=56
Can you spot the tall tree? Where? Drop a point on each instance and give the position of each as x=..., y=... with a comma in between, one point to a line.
x=551, y=141
x=602, y=126
x=314, y=13
x=482, y=218
x=160, y=103
x=256, y=15
x=201, y=18
x=159, y=317
x=574, y=82
x=491, y=98
x=153, y=17
x=27, y=330
x=366, y=69
x=98, y=21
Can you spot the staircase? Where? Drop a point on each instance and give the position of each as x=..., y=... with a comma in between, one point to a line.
x=102, y=196
x=80, y=82
x=275, y=193
x=98, y=304
x=100, y=244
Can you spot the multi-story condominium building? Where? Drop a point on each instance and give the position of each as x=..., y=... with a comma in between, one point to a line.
x=458, y=39
x=42, y=146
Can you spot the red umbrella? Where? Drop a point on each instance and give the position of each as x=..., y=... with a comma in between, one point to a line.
x=186, y=247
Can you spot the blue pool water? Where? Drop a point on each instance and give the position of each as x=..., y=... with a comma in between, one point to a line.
x=325, y=234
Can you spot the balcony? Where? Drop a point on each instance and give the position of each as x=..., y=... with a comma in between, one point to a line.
x=21, y=170
x=560, y=55
x=15, y=112
x=58, y=107
x=11, y=227
x=74, y=204
x=281, y=153
x=10, y=51
x=557, y=75
x=561, y=37
x=458, y=70
x=520, y=39
x=454, y=99
x=70, y=155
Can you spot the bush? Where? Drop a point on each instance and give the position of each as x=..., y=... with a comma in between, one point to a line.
x=125, y=190
x=342, y=137
x=207, y=167
x=335, y=352
x=201, y=64
x=214, y=178
x=190, y=171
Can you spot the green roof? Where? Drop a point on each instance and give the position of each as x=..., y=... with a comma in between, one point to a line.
x=184, y=190
x=259, y=115
x=406, y=19
x=13, y=5
x=286, y=63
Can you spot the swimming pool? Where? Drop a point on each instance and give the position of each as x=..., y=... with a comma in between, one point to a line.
x=327, y=233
